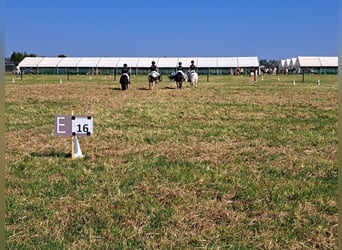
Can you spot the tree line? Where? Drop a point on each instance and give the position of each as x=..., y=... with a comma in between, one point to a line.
x=17, y=57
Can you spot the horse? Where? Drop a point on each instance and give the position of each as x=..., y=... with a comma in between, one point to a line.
x=193, y=76
x=152, y=79
x=124, y=81
x=178, y=78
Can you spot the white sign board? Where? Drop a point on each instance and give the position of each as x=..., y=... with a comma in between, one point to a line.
x=67, y=125
x=81, y=125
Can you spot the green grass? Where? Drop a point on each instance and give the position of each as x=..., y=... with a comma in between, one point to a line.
x=230, y=164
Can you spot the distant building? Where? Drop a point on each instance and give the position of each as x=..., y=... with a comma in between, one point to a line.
x=138, y=65
x=10, y=66
x=317, y=64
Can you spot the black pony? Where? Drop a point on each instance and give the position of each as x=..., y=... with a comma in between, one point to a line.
x=124, y=81
x=178, y=78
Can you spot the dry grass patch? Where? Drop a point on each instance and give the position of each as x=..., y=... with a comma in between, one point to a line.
x=226, y=165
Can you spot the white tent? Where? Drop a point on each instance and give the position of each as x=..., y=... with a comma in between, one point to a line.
x=308, y=61
x=167, y=62
x=50, y=62
x=281, y=65
x=317, y=64
x=88, y=62
x=146, y=62
x=207, y=62
x=247, y=62
x=108, y=62
x=138, y=64
x=131, y=62
x=69, y=62
x=329, y=61
x=30, y=62
x=227, y=62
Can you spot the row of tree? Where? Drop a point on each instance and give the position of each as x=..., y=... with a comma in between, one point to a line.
x=17, y=57
x=269, y=64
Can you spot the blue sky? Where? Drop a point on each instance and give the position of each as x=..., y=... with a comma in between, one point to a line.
x=268, y=29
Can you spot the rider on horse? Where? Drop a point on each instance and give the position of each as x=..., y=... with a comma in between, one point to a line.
x=126, y=71
x=154, y=70
x=192, y=69
x=180, y=69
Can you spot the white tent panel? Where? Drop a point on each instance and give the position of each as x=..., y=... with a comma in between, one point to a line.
x=281, y=64
x=207, y=62
x=248, y=61
x=329, y=61
x=287, y=63
x=130, y=61
x=293, y=63
x=146, y=62
x=50, y=62
x=167, y=62
x=227, y=62
x=30, y=62
x=309, y=61
x=88, y=62
x=108, y=62
x=69, y=62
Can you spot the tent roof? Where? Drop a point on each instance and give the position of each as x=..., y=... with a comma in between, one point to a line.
x=30, y=62
x=50, y=62
x=231, y=62
x=69, y=62
x=108, y=62
x=248, y=61
x=329, y=61
x=309, y=61
x=146, y=62
x=88, y=62
x=207, y=62
x=281, y=63
x=142, y=62
x=131, y=61
x=167, y=62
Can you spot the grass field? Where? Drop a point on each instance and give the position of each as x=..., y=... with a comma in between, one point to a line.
x=230, y=164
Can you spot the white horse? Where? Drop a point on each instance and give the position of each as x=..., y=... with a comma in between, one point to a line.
x=152, y=79
x=193, y=78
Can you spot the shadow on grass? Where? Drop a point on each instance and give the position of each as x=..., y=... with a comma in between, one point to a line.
x=115, y=88
x=168, y=87
x=144, y=88
x=52, y=154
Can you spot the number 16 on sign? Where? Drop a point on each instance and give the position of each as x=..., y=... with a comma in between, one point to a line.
x=82, y=125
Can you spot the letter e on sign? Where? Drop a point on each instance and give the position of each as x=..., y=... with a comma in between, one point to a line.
x=63, y=125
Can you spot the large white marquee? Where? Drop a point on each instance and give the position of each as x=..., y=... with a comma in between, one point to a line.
x=137, y=62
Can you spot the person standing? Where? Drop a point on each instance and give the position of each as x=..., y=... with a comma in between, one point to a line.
x=251, y=75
